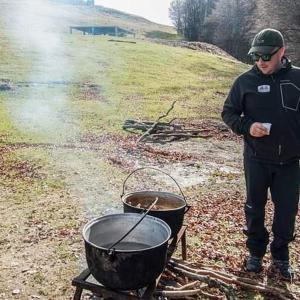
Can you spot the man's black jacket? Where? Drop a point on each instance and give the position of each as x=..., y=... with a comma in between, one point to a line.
x=255, y=97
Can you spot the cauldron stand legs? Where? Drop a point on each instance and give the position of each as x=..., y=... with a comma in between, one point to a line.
x=81, y=284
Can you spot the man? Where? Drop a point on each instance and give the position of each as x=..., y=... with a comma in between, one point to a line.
x=264, y=106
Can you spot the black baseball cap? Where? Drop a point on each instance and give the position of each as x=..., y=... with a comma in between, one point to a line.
x=266, y=41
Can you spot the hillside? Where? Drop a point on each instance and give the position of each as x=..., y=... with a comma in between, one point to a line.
x=14, y=13
x=64, y=155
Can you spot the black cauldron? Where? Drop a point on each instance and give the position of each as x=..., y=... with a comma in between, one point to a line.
x=133, y=263
x=169, y=208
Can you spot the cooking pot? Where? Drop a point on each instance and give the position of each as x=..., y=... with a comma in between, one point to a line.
x=170, y=207
x=133, y=263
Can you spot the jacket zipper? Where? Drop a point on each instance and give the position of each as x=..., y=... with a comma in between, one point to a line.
x=279, y=146
x=280, y=137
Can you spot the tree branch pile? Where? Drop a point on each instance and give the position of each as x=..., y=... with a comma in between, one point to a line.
x=192, y=282
x=164, y=132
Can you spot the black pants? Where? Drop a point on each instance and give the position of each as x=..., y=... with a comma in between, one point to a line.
x=283, y=182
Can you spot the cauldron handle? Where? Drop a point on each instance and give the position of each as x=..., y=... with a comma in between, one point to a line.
x=123, y=192
x=110, y=250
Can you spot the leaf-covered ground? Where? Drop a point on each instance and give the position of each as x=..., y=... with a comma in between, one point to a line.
x=41, y=239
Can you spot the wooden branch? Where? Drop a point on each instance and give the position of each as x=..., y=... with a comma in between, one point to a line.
x=136, y=125
x=181, y=131
x=165, y=131
x=211, y=296
x=226, y=276
x=122, y=41
x=172, y=120
x=186, y=293
x=189, y=285
x=163, y=116
x=232, y=279
x=144, y=126
x=212, y=278
x=212, y=282
x=176, y=294
x=178, y=135
x=183, y=287
x=195, y=284
x=150, y=130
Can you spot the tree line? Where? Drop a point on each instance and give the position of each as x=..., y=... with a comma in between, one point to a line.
x=231, y=24
x=189, y=16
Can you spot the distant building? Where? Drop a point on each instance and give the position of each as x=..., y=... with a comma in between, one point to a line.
x=102, y=30
x=77, y=2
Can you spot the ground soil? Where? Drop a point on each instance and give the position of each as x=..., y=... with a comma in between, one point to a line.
x=42, y=249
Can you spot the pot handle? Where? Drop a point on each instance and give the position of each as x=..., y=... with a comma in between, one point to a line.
x=110, y=250
x=123, y=191
x=187, y=208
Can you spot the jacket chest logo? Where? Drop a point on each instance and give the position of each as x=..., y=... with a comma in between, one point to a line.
x=264, y=88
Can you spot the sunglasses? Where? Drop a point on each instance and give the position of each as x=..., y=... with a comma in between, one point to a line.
x=264, y=57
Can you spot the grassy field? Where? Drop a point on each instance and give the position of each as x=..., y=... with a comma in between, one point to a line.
x=64, y=155
x=130, y=80
x=86, y=89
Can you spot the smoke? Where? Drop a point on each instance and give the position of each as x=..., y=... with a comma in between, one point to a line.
x=40, y=107
x=40, y=43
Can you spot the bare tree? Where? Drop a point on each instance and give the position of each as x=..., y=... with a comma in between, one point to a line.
x=193, y=14
x=176, y=15
x=210, y=5
x=188, y=16
x=232, y=23
x=284, y=16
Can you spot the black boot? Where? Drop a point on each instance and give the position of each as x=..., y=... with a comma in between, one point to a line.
x=253, y=264
x=284, y=268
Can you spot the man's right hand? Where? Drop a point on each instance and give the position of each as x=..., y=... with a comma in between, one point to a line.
x=258, y=130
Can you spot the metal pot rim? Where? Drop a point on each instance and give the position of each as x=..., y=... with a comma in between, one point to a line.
x=157, y=192
x=93, y=221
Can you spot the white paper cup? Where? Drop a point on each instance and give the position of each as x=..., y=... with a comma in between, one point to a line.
x=267, y=126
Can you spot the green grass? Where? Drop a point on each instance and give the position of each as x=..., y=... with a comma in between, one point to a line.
x=136, y=81
x=163, y=35
x=140, y=81
x=154, y=75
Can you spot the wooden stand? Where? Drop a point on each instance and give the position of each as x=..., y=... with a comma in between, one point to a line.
x=81, y=283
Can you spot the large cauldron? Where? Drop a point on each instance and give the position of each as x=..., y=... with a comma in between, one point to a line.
x=133, y=263
x=169, y=208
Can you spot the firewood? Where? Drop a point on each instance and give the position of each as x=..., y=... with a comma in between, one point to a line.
x=159, y=131
x=186, y=293
x=206, y=275
x=150, y=130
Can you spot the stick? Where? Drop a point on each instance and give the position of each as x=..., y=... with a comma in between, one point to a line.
x=150, y=130
x=213, y=282
x=183, y=287
x=231, y=279
x=225, y=276
x=186, y=293
x=195, y=284
x=144, y=126
x=179, y=135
